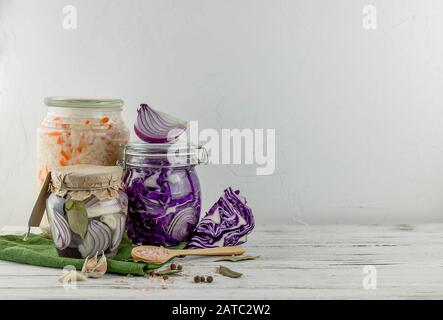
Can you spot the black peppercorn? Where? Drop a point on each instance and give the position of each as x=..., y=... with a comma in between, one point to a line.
x=165, y=277
x=173, y=266
x=202, y=279
x=179, y=267
x=197, y=279
x=209, y=279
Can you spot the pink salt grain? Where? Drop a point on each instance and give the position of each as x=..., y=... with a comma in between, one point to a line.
x=153, y=254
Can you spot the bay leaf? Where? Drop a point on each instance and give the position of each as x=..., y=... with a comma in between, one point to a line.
x=166, y=272
x=77, y=217
x=69, y=204
x=237, y=258
x=229, y=273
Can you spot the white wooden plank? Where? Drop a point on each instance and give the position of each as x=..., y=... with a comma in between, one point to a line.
x=297, y=262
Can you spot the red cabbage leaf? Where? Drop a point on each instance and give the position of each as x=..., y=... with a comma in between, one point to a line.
x=227, y=223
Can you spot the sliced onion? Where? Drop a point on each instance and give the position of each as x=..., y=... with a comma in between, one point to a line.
x=117, y=224
x=118, y=233
x=97, y=239
x=111, y=220
x=157, y=127
x=61, y=234
x=103, y=207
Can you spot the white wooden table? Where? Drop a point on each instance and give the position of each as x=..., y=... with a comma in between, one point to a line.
x=297, y=262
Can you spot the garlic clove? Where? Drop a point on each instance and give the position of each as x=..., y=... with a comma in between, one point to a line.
x=89, y=263
x=94, y=267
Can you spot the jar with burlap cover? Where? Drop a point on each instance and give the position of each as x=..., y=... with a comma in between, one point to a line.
x=86, y=209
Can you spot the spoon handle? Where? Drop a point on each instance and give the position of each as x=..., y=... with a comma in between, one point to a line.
x=222, y=251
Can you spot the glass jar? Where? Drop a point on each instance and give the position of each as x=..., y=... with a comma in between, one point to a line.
x=87, y=210
x=80, y=131
x=164, y=197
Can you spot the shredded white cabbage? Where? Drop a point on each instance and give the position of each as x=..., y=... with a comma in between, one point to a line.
x=65, y=140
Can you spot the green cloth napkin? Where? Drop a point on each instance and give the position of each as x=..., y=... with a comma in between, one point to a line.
x=40, y=251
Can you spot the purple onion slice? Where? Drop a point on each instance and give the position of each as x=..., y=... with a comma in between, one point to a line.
x=157, y=127
x=61, y=234
x=118, y=233
x=97, y=239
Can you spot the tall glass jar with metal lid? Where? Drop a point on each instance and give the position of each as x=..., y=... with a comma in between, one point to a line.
x=164, y=196
x=80, y=131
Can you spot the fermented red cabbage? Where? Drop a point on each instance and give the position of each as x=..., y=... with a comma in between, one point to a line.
x=164, y=204
x=227, y=223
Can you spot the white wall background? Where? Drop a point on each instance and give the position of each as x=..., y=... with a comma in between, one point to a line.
x=358, y=114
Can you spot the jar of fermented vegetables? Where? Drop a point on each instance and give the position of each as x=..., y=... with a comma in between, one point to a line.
x=164, y=197
x=80, y=131
x=87, y=209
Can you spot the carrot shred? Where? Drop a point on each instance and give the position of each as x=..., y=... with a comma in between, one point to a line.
x=59, y=140
x=65, y=155
x=110, y=126
x=78, y=149
x=62, y=162
x=54, y=134
x=104, y=120
x=87, y=122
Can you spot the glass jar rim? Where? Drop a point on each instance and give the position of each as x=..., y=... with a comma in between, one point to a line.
x=72, y=102
x=158, y=151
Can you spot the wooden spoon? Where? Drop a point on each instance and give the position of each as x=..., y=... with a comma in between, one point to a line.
x=159, y=255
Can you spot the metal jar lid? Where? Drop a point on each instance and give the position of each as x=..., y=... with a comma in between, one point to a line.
x=163, y=155
x=72, y=102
